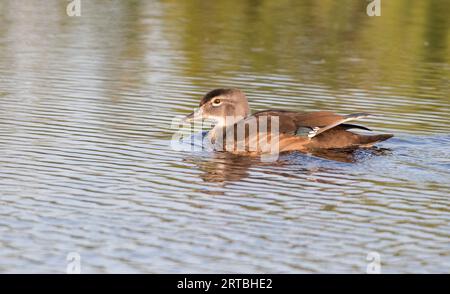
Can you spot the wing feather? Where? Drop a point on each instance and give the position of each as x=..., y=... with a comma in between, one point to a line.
x=311, y=124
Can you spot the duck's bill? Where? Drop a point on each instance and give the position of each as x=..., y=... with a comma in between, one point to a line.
x=196, y=115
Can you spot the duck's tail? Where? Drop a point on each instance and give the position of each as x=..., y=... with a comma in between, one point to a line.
x=341, y=138
x=369, y=140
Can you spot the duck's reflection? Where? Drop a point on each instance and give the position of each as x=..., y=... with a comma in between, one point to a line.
x=350, y=155
x=223, y=167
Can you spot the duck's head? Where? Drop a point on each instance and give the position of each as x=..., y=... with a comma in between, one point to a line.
x=225, y=106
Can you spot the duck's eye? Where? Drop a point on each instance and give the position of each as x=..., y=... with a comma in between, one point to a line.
x=217, y=102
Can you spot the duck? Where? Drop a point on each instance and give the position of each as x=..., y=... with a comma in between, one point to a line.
x=229, y=109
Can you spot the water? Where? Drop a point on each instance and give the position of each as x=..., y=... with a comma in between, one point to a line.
x=85, y=128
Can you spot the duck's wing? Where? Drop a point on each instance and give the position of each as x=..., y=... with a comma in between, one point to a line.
x=329, y=120
x=311, y=124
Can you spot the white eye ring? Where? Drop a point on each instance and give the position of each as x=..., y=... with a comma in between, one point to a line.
x=216, y=102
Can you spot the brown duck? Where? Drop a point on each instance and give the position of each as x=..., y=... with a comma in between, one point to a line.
x=296, y=131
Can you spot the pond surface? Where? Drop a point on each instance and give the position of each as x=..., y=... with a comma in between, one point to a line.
x=86, y=165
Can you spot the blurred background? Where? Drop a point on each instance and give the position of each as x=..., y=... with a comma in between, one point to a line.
x=87, y=102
